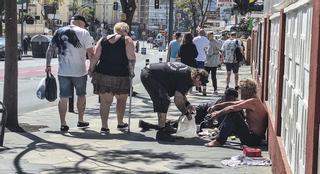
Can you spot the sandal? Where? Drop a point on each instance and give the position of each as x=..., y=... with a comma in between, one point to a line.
x=104, y=131
x=82, y=124
x=125, y=125
x=64, y=128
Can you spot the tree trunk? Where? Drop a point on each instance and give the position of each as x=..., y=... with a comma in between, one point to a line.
x=10, y=92
x=128, y=7
x=194, y=19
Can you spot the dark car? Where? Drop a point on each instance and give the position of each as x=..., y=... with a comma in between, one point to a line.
x=2, y=49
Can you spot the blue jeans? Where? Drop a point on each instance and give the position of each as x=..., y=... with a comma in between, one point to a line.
x=235, y=123
x=67, y=83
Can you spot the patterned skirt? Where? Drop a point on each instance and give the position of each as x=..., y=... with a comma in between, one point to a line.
x=103, y=83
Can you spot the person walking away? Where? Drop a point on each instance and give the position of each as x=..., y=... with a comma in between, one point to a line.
x=213, y=60
x=228, y=58
x=25, y=45
x=188, y=51
x=112, y=75
x=202, y=44
x=73, y=42
x=174, y=46
x=165, y=80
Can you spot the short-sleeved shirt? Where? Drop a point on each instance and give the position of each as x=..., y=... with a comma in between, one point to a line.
x=72, y=43
x=201, y=43
x=228, y=48
x=174, y=48
x=173, y=76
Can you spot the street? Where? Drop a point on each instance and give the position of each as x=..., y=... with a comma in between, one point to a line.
x=31, y=71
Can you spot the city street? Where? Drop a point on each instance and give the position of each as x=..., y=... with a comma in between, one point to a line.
x=31, y=71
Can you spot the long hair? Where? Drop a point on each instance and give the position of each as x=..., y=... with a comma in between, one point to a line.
x=248, y=88
x=187, y=39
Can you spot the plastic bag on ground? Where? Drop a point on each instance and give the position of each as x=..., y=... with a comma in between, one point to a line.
x=41, y=89
x=187, y=128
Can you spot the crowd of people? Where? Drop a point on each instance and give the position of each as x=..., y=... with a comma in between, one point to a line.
x=189, y=60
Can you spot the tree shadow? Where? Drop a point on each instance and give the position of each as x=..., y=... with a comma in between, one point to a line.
x=195, y=164
x=90, y=134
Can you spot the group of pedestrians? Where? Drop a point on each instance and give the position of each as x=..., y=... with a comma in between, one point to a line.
x=112, y=63
x=206, y=52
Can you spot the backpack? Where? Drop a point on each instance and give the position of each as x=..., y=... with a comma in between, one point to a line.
x=238, y=56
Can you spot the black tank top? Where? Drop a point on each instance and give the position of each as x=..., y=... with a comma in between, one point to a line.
x=113, y=59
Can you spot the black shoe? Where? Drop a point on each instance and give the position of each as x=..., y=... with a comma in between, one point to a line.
x=236, y=88
x=170, y=130
x=204, y=92
x=162, y=135
x=64, y=128
x=227, y=87
x=104, y=131
x=82, y=124
x=124, y=126
x=147, y=126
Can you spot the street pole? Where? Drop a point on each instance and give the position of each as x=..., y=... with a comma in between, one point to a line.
x=170, y=20
x=21, y=23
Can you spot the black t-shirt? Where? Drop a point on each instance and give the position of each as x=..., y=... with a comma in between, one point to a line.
x=173, y=76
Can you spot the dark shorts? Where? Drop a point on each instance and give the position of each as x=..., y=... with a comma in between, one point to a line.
x=157, y=92
x=103, y=83
x=200, y=64
x=233, y=66
x=67, y=83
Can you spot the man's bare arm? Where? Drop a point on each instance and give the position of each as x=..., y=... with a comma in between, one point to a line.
x=222, y=105
x=49, y=55
x=182, y=103
x=244, y=104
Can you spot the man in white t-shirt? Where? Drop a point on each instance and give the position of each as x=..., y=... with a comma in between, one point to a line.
x=202, y=44
x=73, y=42
x=227, y=50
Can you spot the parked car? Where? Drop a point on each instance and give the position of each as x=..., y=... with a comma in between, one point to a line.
x=2, y=49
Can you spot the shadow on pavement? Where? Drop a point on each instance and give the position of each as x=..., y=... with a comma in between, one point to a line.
x=185, y=141
x=89, y=134
x=195, y=164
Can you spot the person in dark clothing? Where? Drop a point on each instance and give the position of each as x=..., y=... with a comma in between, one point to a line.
x=188, y=51
x=25, y=45
x=165, y=80
x=112, y=75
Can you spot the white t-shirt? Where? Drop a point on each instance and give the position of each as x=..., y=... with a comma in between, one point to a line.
x=202, y=43
x=72, y=43
x=228, y=48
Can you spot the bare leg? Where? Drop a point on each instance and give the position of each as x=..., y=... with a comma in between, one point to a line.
x=105, y=103
x=81, y=105
x=62, y=106
x=236, y=79
x=162, y=119
x=121, y=107
x=228, y=77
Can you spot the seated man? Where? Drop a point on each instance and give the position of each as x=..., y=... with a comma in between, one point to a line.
x=250, y=130
x=164, y=80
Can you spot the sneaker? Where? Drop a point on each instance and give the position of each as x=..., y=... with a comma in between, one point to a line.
x=236, y=88
x=215, y=92
x=82, y=124
x=162, y=135
x=64, y=128
x=104, y=131
x=147, y=126
x=124, y=126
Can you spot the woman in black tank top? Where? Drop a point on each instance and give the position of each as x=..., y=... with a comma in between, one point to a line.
x=111, y=73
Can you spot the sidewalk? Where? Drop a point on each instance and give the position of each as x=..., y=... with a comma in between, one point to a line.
x=44, y=149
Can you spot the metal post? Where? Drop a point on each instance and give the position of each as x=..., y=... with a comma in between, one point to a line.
x=170, y=20
x=3, y=123
x=21, y=23
x=71, y=101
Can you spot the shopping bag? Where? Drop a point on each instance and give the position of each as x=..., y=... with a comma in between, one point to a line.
x=41, y=88
x=51, y=88
x=186, y=128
